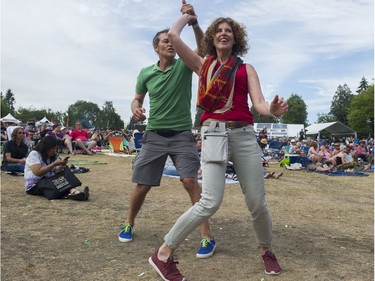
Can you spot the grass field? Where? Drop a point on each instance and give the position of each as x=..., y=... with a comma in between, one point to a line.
x=323, y=229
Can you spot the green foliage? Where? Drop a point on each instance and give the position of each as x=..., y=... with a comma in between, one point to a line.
x=109, y=118
x=197, y=119
x=4, y=106
x=325, y=118
x=363, y=85
x=33, y=114
x=341, y=102
x=361, y=113
x=10, y=100
x=86, y=112
x=297, y=111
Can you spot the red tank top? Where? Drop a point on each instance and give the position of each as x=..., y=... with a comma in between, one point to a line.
x=240, y=110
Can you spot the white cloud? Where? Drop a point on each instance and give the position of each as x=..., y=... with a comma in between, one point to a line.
x=57, y=52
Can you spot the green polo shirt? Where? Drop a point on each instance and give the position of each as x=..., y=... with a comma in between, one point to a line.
x=170, y=96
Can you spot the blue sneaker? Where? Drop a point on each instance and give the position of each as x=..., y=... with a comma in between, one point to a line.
x=126, y=233
x=207, y=248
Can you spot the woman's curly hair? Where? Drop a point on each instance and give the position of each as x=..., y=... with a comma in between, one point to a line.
x=240, y=47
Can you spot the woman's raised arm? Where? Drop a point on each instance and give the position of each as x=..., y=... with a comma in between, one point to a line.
x=191, y=59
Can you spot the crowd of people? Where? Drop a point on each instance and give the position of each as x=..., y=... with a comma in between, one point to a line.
x=34, y=154
x=324, y=155
x=71, y=140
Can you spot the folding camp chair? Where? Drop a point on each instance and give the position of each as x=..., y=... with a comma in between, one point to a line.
x=138, y=141
x=116, y=144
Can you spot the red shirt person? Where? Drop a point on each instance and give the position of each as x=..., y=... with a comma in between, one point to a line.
x=82, y=139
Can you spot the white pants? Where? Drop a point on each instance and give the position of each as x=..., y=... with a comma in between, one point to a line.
x=245, y=154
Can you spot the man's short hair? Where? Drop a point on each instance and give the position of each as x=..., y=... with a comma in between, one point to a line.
x=156, y=39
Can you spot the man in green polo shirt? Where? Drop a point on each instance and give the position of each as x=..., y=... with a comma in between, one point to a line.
x=168, y=132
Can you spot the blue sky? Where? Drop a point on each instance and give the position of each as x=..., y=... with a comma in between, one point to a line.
x=54, y=52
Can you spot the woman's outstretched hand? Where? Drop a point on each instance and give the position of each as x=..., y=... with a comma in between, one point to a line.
x=278, y=106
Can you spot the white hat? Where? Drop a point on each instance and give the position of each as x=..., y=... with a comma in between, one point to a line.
x=292, y=140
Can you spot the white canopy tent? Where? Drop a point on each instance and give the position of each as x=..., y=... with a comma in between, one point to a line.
x=44, y=120
x=334, y=128
x=10, y=119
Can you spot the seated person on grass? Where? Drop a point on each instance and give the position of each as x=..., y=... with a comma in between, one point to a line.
x=62, y=138
x=15, y=152
x=345, y=161
x=314, y=154
x=363, y=152
x=81, y=138
x=42, y=162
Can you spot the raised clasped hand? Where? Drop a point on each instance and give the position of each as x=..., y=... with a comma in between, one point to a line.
x=188, y=9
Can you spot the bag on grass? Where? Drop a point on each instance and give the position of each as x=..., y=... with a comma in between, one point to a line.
x=284, y=162
x=215, y=144
x=59, y=184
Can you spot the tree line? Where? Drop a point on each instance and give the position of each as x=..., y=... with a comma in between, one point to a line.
x=88, y=113
x=353, y=110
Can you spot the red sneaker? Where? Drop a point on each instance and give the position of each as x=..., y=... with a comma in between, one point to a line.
x=271, y=265
x=168, y=271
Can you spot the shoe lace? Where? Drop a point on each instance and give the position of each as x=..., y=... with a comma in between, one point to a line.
x=270, y=256
x=172, y=267
x=127, y=228
x=205, y=242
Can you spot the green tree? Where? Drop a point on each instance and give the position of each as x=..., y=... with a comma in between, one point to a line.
x=10, y=100
x=361, y=113
x=325, y=118
x=33, y=114
x=85, y=112
x=109, y=118
x=297, y=111
x=197, y=119
x=60, y=117
x=341, y=102
x=363, y=85
x=4, y=106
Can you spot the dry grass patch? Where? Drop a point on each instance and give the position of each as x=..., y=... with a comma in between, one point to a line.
x=323, y=229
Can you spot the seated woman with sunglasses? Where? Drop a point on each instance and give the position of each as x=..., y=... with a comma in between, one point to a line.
x=15, y=152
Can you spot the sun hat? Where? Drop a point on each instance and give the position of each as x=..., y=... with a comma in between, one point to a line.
x=342, y=147
x=292, y=140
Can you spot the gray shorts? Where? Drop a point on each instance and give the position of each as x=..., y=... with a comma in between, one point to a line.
x=149, y=164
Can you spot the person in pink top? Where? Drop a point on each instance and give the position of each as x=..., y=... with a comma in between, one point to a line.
x=362, y=152
x=225, y=84
x=82, y=138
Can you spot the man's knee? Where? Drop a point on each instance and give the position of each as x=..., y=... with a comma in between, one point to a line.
x=142, y=189
x=191, y=185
